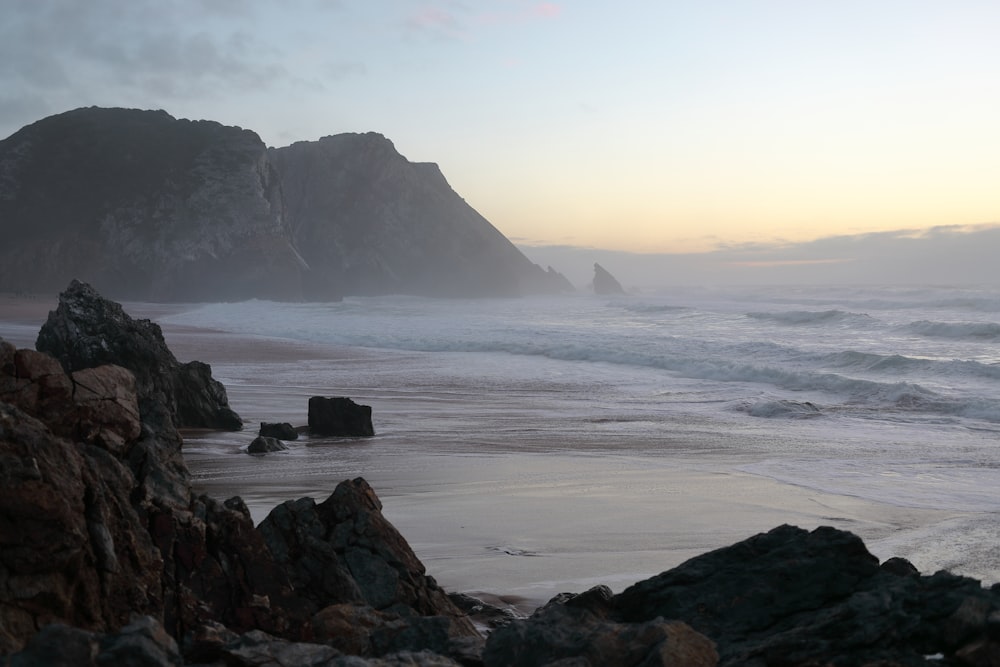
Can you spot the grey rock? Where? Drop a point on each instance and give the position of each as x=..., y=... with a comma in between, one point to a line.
x=265, y=445
x=605, y=283
x=281, y=431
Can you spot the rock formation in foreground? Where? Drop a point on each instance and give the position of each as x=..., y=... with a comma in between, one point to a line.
x=86, y=330
x=147, y=207
x=605, y=283
x=108, y=557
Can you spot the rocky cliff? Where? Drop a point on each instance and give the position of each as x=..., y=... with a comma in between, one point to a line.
x=148, y=207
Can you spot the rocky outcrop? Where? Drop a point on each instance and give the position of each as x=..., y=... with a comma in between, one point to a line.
x=280, y=430
x=99, y=525
x=580, y=630
x=148, y=207
x=86, y=330
x=605, y=283
x=797, y=597
x=339, y=416
x=264, y=444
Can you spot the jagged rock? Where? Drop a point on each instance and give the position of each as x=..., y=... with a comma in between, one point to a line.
x=799, y=597
x=483, y=613
x=605, y=283
x=87, y=330
x=98, y=524
x=147, y=207
x=141, y=643
x=265, y=445
x=343, y=550
x=339, y=416
x=579, y=630
x=72, y=547
x=281, y=431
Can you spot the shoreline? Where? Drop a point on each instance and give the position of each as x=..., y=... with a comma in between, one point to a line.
x=514, y=524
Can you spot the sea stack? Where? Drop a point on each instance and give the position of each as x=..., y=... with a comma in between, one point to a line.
x=604, y=282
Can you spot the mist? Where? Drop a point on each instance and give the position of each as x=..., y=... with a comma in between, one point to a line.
x=947, y=255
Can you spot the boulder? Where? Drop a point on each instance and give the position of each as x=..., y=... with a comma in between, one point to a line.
x=281, y=431
x=265, y=445
x=605, y=283
x=141, y=643
x=339, y=416
x=344, y=550
x=791, y=596
x=579, y=630
x=86, y=330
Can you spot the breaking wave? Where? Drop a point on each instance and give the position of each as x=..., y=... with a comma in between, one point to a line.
x=956, y=330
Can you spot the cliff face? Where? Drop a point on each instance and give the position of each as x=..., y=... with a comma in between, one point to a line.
x=144, y=206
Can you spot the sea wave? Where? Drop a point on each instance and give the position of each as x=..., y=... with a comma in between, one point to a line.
x=897, y=364
x=956, y=330
x=802, y=317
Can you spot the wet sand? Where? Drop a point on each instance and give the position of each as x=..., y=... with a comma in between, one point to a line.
x=526, y=520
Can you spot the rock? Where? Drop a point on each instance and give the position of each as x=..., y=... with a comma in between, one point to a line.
x=343, y=550
x=605, y=283
x=339, y=416
x=816, y=597
x=218, y=568
x=485, y=614
x=281, y=431
x=579, y=630
x=98, y=525
x=86, y=330
x=72, y=548
x=141, y=643
x=265, y=445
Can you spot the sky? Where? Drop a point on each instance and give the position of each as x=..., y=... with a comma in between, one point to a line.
x=664, y=128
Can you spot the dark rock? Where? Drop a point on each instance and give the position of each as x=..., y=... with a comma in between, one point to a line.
x=339, y=416
x=791, y=596
x=141, y=643
x=343, y=550
x=605, y=283
x=281, y=431
x=86, y=330
x=485, y=614
x=98, y=525
x=578, y=629
x=72, y=546
x=265, y=445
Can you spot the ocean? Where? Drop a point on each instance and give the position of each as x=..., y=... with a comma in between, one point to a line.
x=527, y=446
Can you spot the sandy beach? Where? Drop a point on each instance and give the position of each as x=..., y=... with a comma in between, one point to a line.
x=526, y=520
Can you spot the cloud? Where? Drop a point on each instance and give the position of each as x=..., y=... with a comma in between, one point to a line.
x=953, y=255
x=546, y=10
x=65, y=53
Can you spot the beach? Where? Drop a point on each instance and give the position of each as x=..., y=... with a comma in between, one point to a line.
x=508, y=489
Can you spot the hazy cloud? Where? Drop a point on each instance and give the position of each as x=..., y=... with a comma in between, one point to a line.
x=940, y=255
x=65, y=53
